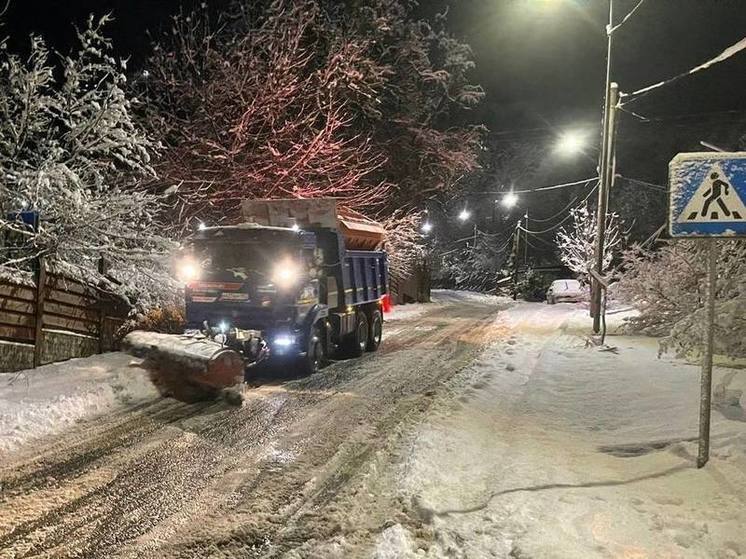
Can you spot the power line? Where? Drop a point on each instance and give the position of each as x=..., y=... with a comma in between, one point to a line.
x=725, y=55
x=646, y=184
x=553, y=227
x=625, y=18
x=567, y=207
x=542, y=188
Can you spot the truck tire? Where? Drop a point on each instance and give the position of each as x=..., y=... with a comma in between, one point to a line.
x=376, y=330
x=315, y=356
x=357, y=342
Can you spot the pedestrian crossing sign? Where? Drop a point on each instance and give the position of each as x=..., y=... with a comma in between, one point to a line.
x=707, y=192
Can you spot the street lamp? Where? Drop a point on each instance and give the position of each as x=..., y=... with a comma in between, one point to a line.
x=509, y=200
x=464, y=215
x=427, y=227
x=570, y=143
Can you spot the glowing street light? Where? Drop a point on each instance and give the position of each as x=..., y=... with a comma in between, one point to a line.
x=509, y=200
x=570, y=143
x=464, y=215
x=427, y=227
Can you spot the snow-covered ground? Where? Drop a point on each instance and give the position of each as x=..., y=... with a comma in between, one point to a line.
x=548, y=448
x=49, y=399
x=439, y=298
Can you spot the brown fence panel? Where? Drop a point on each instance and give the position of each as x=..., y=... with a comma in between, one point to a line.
x=65, y=305
x=13, y=291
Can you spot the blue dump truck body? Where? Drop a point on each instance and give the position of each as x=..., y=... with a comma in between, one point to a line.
x=289, y=296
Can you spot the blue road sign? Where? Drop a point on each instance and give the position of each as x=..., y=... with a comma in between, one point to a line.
x=707, y=192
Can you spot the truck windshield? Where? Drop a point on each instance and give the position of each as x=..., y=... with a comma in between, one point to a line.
x=242, y=257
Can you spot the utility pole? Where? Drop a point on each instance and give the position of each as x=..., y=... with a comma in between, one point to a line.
x=605, y=170
x=525, y=241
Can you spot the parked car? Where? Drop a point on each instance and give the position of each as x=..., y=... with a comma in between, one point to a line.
x=565, y=290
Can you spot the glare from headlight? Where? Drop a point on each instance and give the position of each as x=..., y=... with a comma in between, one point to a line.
x=284, y=341
x=285, y=274
x=188, y=270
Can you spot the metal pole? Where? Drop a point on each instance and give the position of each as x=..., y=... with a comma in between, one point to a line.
x=705, y=387
x=603, y=166
x=525, y=244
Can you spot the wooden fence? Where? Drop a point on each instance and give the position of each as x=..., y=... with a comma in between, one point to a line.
x=33, y=313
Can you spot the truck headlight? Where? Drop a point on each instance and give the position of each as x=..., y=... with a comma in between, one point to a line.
x=285, y=274
x=188, y=270
x=284, y=340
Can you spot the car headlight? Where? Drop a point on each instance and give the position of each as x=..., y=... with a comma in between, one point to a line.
x=188, y=270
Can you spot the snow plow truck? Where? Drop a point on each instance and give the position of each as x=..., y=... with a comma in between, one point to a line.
x=296, y=282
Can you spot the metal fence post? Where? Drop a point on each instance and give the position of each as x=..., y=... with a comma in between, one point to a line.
x=41, y=280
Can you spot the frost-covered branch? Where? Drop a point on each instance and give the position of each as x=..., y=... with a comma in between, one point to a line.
x=71, y=151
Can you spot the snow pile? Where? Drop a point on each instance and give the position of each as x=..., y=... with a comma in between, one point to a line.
x=394, y=543
x=48, y=399
x=546, y=448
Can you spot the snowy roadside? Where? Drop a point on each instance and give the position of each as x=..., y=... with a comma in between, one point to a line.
x=546, y=448
x=48, y=399
x=439, y=298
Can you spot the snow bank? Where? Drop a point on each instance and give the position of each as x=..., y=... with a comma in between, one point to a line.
x=48, y=399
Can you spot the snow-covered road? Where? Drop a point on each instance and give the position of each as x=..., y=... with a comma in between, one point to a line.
x=482, y=428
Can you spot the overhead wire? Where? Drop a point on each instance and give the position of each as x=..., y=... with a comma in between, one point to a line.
x=725, y=55
x=625, y=18
x=568, y=216
x=542, y=188
x=567, y=207
x=646, y=184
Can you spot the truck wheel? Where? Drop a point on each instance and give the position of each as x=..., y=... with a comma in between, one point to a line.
x=313, y=360
x=376, y=330
x=358, y=340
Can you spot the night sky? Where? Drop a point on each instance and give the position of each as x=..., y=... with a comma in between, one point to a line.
x=541, y=61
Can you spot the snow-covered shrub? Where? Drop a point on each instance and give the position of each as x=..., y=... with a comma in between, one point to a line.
x=532, y=286
x=476, y=268
x=669, y=288
x=577, y=243
x=71, y=151
x=403, y=244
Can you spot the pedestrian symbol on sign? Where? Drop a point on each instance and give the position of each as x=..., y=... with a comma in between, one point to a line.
x=714, y=200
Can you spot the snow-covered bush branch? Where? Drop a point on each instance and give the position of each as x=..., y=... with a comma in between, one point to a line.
x=404, y=243
x=668, y=287
x=577, y=243
x=71, y=151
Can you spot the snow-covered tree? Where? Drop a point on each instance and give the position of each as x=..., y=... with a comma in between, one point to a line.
x=362, y=101
x=669, y=286
x=404, y=243
x=577, y=243
x=260, y=107
x=70, y=150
